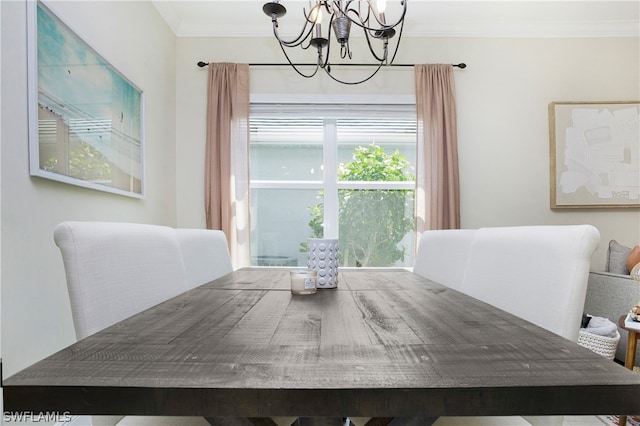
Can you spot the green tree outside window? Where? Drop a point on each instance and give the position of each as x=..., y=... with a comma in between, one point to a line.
x=372, y=221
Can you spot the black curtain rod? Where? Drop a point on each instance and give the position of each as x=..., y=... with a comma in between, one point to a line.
x=461, y=65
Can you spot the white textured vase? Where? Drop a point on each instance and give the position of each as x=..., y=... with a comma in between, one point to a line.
x=322, y=257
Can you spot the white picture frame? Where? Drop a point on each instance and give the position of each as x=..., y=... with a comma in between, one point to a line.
x=85, y=118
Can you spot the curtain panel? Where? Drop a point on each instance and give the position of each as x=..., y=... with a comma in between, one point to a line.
x=437, y=177
x=227, y=151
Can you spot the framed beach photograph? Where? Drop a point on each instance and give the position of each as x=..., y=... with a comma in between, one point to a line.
x=85, y=117
x=595, y=154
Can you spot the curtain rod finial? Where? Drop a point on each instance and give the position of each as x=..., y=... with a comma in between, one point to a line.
x=202, y=64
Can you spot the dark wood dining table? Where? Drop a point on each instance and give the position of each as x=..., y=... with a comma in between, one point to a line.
x=386, y=344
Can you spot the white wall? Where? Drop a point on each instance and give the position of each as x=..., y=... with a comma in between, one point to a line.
x=504, y=126
x=503, y=139
x=36, y=318
x=503, y=96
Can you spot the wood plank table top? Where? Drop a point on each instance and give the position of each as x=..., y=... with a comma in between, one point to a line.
x=386, y=343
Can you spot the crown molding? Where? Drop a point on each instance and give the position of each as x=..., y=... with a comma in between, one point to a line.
x=528, y=29
x=170, y=15
x=525, y=27
x=478, y=30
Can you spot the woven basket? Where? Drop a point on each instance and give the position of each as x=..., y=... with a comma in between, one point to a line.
x=602, y=345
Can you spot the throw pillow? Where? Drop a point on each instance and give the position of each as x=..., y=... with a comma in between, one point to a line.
x=635, y=274
x=634, y=258
x=617, y=258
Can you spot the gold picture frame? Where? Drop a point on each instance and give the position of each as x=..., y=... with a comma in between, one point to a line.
x=595, y=154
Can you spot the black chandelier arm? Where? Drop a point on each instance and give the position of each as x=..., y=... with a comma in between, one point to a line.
x=326, y=60
x=319, y=10
x=352, y=83
x=328, y=8
x=367, y=35
x=355, y=10
x=364, y=24
x=386, y=26
x=301, y=38
x=304, y=46
x=395, y=52
x=320, y=62
x=342, y=14
x=345, y=49
x=372, y=49
x=296, y=68
x=386, y=44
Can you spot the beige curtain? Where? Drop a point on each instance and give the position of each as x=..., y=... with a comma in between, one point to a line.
x=437, y=180
x=226, y=161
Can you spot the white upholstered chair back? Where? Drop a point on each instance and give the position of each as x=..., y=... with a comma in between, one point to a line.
x=205, y=253
x=116, y=270
x=538, y=273
x=442, y=255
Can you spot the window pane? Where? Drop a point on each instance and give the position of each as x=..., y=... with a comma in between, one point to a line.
x=286, y=149
x=391, y=134
x=376, y=227
x=360, y=143
x=280, y=223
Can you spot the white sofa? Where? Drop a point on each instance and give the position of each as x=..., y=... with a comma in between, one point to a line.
x=611, y=295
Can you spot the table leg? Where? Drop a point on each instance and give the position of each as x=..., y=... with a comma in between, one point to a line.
x=630, y=357
x=232, y=421
x=373, y=421
x=629, y=360
x=320, y=421
x=413, y=421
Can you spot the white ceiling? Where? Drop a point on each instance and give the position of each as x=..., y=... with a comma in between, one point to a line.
x=449, y=18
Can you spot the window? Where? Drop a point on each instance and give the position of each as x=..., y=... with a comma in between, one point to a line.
x=345, y=171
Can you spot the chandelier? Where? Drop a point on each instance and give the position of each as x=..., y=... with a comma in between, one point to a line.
x=369, y=16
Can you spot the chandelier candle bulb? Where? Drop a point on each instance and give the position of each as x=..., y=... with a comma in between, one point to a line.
x=303, y=282
x=382, y=5
x=318, y=21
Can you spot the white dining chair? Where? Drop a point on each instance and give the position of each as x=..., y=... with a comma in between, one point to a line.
x=116, y=270
x=538, y=273
x=442, y=255
x=205, y=253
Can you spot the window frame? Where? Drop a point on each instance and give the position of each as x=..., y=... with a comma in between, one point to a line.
x=329, y=182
